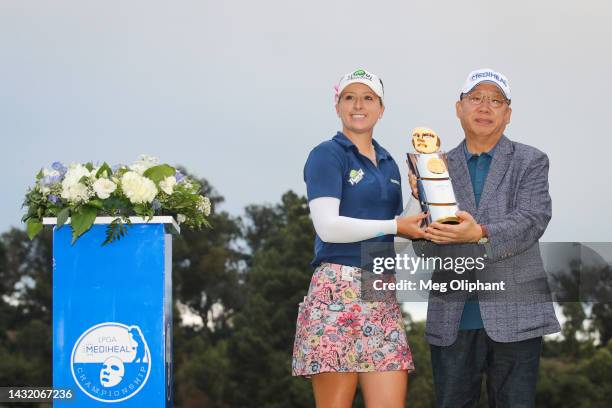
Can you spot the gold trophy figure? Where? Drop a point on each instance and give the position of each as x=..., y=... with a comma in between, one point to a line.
x=430, y=167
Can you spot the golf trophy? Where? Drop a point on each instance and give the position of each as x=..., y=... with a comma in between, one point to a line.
x=430, y=167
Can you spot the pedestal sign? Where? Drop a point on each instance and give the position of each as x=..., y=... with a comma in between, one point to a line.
x=112, y=315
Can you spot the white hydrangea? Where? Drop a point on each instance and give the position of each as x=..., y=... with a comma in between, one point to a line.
x=72, y=189
x=137, y=188
x=204, y=205
x=167, y=184
x=181, y=218
x=75, y=172
x=104, y=187
x=76, y=193
x=143, y=163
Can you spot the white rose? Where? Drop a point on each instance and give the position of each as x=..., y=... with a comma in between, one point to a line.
x=137, y=188
x=167, y=184
x=143, y=163
x=180, y=218
x=104, y=187
x=204, y=205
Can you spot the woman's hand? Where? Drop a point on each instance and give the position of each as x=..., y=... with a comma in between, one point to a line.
x=410, y=226
x=413, y=185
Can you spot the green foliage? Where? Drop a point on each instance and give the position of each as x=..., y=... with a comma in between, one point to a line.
x=82, y=220
x=104, y=171
x=62, y=217
x=158, y=173
x=116, y=230
x=33, y=227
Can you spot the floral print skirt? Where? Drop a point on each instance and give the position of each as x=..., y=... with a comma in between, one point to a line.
x=339, y=332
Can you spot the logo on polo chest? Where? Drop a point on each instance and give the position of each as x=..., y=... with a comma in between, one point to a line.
x=355, y=176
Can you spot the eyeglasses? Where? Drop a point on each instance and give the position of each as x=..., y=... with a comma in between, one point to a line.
x=476, y=99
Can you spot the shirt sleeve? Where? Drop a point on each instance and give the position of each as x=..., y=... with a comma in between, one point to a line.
x=323, y=173
x=332, y=227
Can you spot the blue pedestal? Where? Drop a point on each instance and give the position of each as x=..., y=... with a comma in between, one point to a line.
x=112, y=317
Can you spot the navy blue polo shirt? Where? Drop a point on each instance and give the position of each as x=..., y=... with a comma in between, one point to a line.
x=335, y=168
x=478, y=166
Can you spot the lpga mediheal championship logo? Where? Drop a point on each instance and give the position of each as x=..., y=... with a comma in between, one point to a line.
x=111, y=361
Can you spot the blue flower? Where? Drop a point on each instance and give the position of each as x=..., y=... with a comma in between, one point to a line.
x=155, y=204
x=336, y=306
x=368, y=329
x=48, y=180
x=59, y=167
x=53, y=198
x=179, y=176
x=378, y=355
x=315, y=366
x=394, y=335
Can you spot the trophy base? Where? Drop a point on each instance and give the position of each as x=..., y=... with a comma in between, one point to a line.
x=449, y=220
x=442, y=213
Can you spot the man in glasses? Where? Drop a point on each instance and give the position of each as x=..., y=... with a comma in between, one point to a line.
x=501, y=186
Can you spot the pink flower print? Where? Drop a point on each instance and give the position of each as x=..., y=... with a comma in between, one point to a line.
x=349, y=320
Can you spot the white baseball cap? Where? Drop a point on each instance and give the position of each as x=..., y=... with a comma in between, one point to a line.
x=487, y=75
x=363, y=77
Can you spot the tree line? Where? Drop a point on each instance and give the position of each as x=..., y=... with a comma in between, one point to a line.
x=244, y=279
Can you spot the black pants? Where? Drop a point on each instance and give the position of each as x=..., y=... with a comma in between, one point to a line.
x=511, y=369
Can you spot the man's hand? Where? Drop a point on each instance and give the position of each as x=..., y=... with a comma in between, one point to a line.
x=410, y=227
x=467, y=230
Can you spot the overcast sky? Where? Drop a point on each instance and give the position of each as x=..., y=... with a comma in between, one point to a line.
x=240, y=91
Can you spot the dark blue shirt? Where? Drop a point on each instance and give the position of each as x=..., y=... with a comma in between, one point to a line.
x=478, y=166
x=335, y=168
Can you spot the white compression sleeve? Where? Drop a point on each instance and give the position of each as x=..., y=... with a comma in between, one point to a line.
x=331, y=227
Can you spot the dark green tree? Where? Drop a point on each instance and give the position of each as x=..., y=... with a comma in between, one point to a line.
x=25, y=310
x=281, y=239
x=207, y=266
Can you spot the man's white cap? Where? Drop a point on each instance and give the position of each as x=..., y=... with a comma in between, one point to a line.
x=487, y=75
x=363, y=77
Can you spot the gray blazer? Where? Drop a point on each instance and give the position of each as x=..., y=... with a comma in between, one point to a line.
x=515, y=206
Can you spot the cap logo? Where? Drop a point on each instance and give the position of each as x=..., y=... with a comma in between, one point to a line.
x=359, y=74
x=489, y=75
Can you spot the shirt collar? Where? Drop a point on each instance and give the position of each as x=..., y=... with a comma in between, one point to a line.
x=344, y=141
x=469, y=155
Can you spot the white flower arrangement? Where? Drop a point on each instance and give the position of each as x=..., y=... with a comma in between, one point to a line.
x=84, y=192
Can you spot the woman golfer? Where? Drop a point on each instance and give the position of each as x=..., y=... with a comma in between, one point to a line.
x=354, y=192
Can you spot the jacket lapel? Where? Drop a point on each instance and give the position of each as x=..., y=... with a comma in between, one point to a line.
x=460, y=175
x=502, y=156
